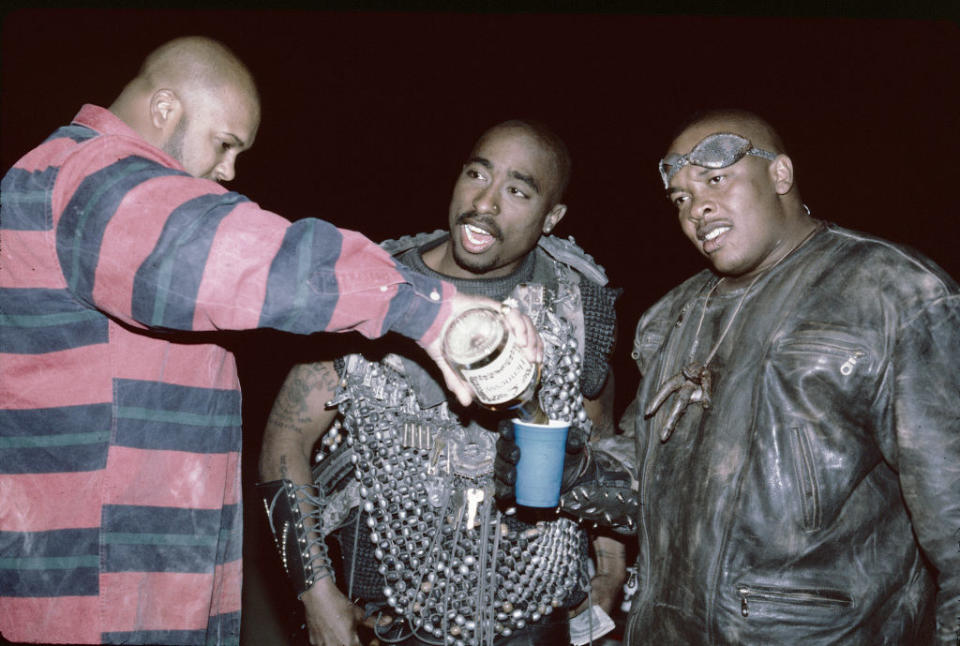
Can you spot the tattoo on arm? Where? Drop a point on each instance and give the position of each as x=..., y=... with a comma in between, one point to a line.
x=299, y=418
x=292, y=408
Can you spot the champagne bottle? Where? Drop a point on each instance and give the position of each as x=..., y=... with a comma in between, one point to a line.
x=478, y=345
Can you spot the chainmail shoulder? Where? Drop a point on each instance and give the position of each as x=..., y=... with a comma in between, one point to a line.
x=571, y=254
x=600, y=329
x=595, y=312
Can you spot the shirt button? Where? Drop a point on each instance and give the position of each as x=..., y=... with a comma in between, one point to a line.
x=383, y=288
x=434, y=295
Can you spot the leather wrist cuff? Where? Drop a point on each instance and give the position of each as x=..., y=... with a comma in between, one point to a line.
x=301, y=545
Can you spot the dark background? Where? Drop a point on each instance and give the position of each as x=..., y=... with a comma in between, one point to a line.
x=367, y=115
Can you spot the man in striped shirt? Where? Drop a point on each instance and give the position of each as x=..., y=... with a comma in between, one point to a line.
x=120, y=517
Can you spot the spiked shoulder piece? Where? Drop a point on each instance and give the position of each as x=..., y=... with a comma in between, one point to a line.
x=570, y=253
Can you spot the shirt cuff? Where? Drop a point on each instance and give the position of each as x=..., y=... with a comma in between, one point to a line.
x=427, y=311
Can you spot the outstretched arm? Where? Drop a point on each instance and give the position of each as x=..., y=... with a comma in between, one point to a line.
x=163, y=250
x=298, y=419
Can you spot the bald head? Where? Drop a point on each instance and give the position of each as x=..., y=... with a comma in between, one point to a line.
x=193, y=65
x=192, y=87
x=741, y=122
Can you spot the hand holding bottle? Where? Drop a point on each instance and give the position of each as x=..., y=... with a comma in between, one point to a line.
x=525, y=343
x=488, y=351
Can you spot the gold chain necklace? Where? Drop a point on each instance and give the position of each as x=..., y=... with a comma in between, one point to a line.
x=693, y=384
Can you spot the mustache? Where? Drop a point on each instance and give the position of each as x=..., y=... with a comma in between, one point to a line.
x=485, y=221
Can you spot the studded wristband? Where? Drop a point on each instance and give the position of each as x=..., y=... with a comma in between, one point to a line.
x=298, y=536
x=602, y=494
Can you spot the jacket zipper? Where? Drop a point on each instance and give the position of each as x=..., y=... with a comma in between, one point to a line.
x=850, y=354
x=765, y=594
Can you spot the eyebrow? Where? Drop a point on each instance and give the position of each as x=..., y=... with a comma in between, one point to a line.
x=237, y=140
x=483, y=161
x=700, y=172
x=529, y=180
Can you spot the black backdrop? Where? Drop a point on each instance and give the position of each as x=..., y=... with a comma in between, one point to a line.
x=368, y=114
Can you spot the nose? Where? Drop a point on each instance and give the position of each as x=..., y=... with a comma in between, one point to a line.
x=486, y=201
x=225, y=170
x=702, y=209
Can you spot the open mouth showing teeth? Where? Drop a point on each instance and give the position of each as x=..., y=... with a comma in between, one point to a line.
x=476, y=235
x=474, y=239
x=715, y=233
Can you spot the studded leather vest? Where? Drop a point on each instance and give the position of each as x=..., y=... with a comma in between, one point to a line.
x=429, y=541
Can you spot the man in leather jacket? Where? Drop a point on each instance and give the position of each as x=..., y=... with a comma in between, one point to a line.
x=798, y=434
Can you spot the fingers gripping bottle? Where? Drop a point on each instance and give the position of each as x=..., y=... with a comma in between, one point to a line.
x=479, y=346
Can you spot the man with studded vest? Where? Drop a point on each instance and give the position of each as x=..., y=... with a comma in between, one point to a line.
x=405, y=481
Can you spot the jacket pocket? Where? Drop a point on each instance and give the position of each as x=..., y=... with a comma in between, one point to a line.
x=805, y=472
x=753, y=596
x=842, y=351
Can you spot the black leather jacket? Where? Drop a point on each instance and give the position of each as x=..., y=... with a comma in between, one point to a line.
x=817, y=501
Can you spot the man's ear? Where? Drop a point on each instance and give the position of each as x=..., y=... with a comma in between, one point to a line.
x=781, y=174
x=553, y=217
x=165, y=109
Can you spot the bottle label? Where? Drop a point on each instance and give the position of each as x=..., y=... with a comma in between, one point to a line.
x=505, y=378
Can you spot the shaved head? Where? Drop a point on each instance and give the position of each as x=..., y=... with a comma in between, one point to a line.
x=741, y=122
x=196, y=64
x=195, y=100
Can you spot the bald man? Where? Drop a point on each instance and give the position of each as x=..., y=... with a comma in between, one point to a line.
x=120, y=424
x=186, y=90
x=798, y=441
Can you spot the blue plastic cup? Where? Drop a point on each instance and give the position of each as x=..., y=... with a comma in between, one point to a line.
x=540, y=469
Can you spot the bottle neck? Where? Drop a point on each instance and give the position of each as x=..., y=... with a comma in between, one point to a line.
x=530, y=411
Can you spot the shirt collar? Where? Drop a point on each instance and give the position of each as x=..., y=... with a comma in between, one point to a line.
x=103, y=121
x=107, y=123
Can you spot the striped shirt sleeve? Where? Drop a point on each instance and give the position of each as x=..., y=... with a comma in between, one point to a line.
x=160, y=249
